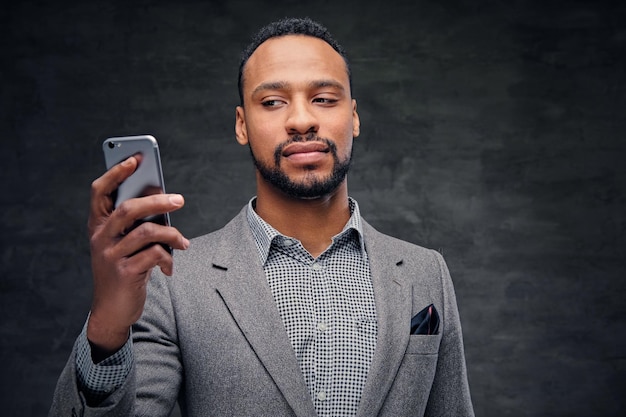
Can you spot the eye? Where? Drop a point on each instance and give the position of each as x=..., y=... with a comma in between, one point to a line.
x=325, y=100
x=270, y=103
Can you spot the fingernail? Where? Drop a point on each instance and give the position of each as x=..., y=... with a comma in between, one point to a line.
x=126, y=162
x=185, y=243
x=177, y=199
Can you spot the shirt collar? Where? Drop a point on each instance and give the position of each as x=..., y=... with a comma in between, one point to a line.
x=264, y=234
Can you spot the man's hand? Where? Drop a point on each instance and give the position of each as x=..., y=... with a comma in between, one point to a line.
x=122, y=262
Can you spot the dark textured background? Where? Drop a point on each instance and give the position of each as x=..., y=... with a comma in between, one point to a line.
x=493, y=131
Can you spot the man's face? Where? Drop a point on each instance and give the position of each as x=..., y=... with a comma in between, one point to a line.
x=298, y=118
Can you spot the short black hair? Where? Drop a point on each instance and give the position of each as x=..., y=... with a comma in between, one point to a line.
x=289, y=26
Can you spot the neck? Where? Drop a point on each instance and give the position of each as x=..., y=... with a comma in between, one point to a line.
x=312, y=221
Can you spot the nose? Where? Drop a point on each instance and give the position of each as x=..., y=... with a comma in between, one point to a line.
x=301, y=119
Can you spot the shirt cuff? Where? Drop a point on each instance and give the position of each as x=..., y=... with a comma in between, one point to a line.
x=98, y=381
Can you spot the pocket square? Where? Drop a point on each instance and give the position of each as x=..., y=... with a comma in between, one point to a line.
x=425, y=322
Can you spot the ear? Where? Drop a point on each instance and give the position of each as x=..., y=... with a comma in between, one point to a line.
x=240, y=126
x=356, y=122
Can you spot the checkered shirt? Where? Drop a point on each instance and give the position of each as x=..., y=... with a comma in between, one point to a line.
x=327, y=307
x=97, y=381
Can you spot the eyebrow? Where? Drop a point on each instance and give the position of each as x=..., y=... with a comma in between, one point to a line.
x=326, y=83
x=282, y=85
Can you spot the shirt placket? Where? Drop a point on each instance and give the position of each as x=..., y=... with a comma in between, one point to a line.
x=324, y=330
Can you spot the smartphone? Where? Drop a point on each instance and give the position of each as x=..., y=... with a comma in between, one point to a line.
x=147, y=178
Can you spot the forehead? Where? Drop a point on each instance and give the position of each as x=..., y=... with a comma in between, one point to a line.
x=292, y=58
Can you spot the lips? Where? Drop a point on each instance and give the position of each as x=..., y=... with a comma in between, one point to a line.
x=304, y=147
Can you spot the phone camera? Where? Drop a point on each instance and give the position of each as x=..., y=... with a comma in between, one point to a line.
x=111, y=145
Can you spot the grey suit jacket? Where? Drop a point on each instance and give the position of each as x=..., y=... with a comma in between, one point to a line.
x=211, y=337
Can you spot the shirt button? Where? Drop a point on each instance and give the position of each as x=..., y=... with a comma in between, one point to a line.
x=321, y=395
x=322, y=327
x=288, y=242
x=317, y=267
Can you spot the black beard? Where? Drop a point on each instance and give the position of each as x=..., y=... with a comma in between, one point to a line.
x=314, y=188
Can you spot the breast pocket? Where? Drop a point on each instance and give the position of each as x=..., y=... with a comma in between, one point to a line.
x=423, y=344
x=413, y=382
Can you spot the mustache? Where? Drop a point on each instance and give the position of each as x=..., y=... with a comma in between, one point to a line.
x=309, y=137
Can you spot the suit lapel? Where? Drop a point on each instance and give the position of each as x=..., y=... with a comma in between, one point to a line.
x=249, y=299
x=393, y=295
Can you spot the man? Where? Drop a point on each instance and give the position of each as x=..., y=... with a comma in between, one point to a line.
x=297, y=307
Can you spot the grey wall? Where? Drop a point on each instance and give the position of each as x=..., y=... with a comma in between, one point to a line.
x=493, y=131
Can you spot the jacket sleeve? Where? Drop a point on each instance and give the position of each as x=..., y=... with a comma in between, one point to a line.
x=152, y=384
x=450, y=395
x=68, y=400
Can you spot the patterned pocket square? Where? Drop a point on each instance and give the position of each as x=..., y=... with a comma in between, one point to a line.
x=426, y=321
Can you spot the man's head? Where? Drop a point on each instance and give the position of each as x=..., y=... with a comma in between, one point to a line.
x=298, y=116
x=288, y=26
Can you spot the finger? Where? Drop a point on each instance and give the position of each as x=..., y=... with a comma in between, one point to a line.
x=142, y=262
x=147, y=234
x=110, y=180
x=127, y=214
x=103, y=187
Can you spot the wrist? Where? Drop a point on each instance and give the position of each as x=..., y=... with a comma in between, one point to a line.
x=105, y=339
